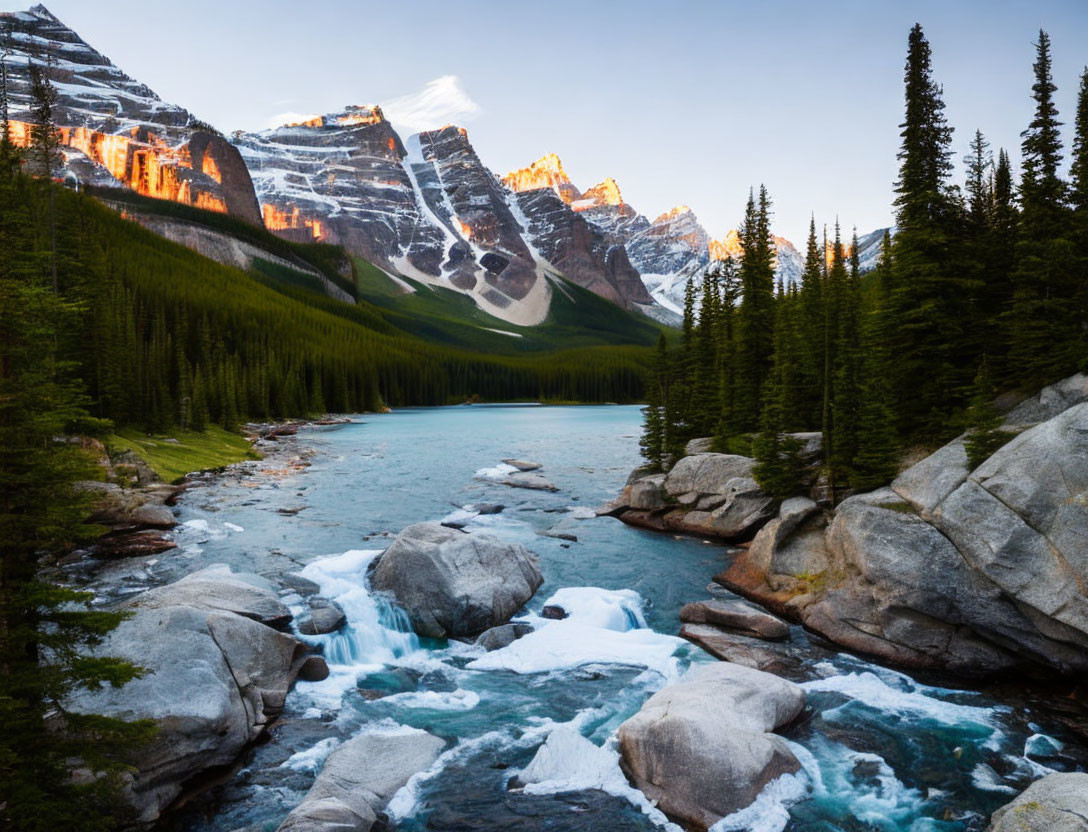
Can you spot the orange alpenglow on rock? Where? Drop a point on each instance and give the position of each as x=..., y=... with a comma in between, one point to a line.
x=466, y=230
x=148, y=167
x=277, y=220
x=545, y=172
x=605, y=193
x=672, y=214
x=728, y=246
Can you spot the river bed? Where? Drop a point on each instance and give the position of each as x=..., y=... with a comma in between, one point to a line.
x=880, y=749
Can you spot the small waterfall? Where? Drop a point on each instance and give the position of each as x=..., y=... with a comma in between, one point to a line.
x=376, y=632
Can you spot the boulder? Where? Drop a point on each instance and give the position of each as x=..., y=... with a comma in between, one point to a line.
x=737, y=616
x=217, y=588
x=129, y=508
x=707, y=473
x=699, y=446
x=455, y=584
x=783, y=548
x=523, y=464
x=739, y=649
x=502, y=636
x=215, y=678
x=360, y=777
x=702, y=749
x=647, y=493
x=533, y=482
x=1057, y=803
x=324, y=617
x=1049, y=402
x=743, y=510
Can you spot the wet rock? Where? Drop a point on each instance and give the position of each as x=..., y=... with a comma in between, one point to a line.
x=553, y=612
x=359, y=778
x=303, y=586
x=153, y=517
x=215, y=679
x=534, y=482
x=132, y=545
x=1056, y=803
x=737, y=616
x=731, y=647
x=702, y=749
x=488, y=508
x=523, y=464
x=455, y=584
x=559, y=535
x=324, y=617
x=502, y=636
x=313, y=669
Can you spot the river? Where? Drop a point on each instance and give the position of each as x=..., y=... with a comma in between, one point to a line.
x=880, y=749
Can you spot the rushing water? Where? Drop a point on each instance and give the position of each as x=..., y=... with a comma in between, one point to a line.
x=879, y=749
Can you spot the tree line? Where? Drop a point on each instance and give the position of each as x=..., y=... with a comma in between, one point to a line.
x=983, y=288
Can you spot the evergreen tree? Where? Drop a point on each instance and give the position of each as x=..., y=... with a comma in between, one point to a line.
x=45, y=146
x=755, y=321
x=929, y=296
x=46, y=630
x=984, y=433
x=812, y=331
x=655, y=430
x=1079, y=198
x=845, y=385
x=1046, y=339
x=874, y=462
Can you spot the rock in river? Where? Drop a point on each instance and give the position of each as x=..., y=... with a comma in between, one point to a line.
x=216, y=677
x=360, y=777
x=1057, y=803
x=702, y=748
x=456, y=584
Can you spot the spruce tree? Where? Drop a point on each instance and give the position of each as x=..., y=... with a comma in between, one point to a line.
x=812, y=330
x=47, y=631
x=930, y=296
x=1079, y=199
x=874, y=462
x=755, y=320
x=655, y=428
x=1045, y=333
x=984, y=433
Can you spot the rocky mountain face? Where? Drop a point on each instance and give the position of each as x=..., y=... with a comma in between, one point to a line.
x=427, y=208
x=115, y=130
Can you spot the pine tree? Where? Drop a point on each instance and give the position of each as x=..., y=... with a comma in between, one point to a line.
x=755, y=321
x=845, y=385
x=655, y=442
x=874, y=463
x=46, y=630
x=812, y=330
x=1079, y=199
x=45, y=146
x=930, y=295
x=1046, y=341
x=984, y=434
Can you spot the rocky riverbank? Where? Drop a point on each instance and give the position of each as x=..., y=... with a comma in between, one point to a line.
x=973, y=571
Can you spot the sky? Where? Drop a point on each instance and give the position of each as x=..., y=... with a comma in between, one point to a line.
x=681, y=101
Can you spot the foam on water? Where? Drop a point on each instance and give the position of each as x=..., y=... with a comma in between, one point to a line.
x=454, y=700
x=603, y=627
x=895, y=693
x=313, y=757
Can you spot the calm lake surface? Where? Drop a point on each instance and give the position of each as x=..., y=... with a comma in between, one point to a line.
x=880, y=750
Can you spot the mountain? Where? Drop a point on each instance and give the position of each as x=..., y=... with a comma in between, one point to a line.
x=114, y=129
x=428, y=209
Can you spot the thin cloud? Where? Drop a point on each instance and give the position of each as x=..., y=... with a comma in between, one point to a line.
x=441, y=101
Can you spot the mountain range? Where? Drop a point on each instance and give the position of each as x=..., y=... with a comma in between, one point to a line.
x=425, y=209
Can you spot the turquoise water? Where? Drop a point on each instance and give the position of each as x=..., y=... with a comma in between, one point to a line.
x=880, y=750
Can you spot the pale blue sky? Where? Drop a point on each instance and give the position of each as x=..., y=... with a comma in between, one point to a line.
x=687, y=101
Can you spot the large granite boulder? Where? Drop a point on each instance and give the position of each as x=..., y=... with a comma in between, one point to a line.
x=456, y=584
x=974, y=571
x=360, y=777
x=215, y=678
x=1057, y=803
x=702, y=748
x=736, y=616
x=707, y=473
